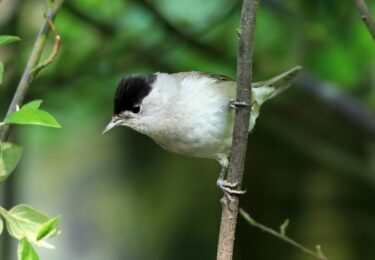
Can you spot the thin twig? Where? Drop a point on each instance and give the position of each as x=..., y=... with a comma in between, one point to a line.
x=283, y=237
x=366, y=16
x=55, y=50
x=241, y=127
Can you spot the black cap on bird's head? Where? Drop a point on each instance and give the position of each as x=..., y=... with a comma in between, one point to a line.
x=131, y=91
x=129, y=95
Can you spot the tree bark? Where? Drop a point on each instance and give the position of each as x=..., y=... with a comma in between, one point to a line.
x=366, y=16
x=241, y=127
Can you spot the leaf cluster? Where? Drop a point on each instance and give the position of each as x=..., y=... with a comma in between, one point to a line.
x=23, y=222
x=29, y=226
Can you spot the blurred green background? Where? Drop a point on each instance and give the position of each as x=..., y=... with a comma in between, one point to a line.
x=311, y=157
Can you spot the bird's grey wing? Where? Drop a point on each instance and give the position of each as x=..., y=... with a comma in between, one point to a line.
x=216, y=76
x=279, y=82
x=199, y=75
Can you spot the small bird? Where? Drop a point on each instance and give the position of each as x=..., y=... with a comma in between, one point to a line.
x=190, y=113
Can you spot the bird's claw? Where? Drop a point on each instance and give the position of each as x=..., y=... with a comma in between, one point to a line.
x=228, y=188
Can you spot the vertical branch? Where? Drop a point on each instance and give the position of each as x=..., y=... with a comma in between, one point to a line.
x=366, y=16
x=241, y=127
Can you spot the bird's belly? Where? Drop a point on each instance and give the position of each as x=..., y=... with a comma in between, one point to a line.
x=196, y=147
x=202, y=139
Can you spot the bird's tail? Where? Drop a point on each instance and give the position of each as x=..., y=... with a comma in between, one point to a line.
x=264, y=90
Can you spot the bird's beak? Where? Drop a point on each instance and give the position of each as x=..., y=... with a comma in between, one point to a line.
x=111, y=125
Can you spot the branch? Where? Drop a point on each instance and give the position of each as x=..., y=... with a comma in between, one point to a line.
x=30, y=73
x=281, y=235
x=241, y=127
x=366, y=16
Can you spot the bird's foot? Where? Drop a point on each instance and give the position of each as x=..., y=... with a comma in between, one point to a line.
x=228, y=188
x=236, y=104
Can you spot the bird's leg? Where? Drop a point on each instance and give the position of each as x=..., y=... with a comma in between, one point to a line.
x=227, y=187
x=236, y=104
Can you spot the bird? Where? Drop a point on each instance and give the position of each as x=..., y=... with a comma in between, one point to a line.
x=191, y=113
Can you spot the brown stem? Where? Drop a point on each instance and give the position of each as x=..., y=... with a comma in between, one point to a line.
x=55, y=50
x=241, y=127
x=366, y=16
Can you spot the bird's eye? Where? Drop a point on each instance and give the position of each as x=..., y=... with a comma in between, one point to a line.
x=136, y=109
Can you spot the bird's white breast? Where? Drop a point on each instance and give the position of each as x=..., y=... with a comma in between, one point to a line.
x=190, y=115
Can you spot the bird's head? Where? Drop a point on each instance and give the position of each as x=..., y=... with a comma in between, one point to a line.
x=131, y=91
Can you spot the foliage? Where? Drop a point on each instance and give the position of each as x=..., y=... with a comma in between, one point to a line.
x=9, y=158
x=5, y=39
x=30, y=114
x=26, y=251
x=23, y=222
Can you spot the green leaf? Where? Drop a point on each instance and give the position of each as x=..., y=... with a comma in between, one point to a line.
x=24, y=221
x=9, y=158
x=27, y=116
x=35, y=104
x=48, y=229
x=1, y=73
x=5, y=39
x=26, y=251
x=30, y=114
x=1, y=226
